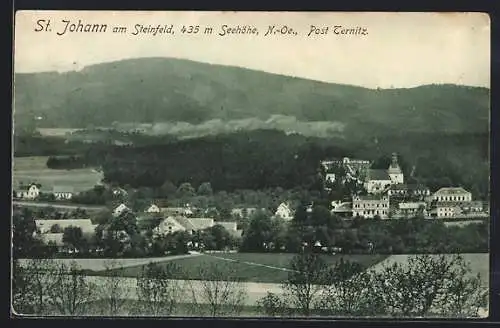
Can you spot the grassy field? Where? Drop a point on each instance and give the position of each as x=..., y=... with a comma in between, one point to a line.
x=479, y=263
x=248, y=267
x=34, y=169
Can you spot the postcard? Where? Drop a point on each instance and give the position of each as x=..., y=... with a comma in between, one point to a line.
x=251, y=164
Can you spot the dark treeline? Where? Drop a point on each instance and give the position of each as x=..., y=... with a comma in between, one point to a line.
x=268, y=159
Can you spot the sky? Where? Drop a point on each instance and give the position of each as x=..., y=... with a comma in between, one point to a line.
x=399, y=49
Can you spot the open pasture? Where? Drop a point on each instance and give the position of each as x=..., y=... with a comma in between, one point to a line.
x=247, y=267
x=34, y=169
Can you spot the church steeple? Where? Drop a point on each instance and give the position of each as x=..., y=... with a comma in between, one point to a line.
x=394, y=162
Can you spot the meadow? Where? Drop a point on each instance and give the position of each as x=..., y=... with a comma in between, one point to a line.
x=246, y=267
x=34, y=169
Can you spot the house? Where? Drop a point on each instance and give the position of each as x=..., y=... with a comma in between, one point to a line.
x=408, y=190
x=411, y=209
x=152, y=209
x=167, y=226
x=63, y=192
x=31, y=191
x=176, y=211
x=244, y=212
x=330, y=178
x=119, y=192
x=229, y=226
x=284, y=211
x=370, y=206
x=120, y=209
x=452, y=194
x=47, y=226
x=447, y=209
x=377, y=181
x=343, y=209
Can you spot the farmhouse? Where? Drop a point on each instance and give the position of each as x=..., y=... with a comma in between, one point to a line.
x=284, y=211
x=168, y=225
x=370, y=206
x=120, y=209
x=62, y=192
x=31, y=191
x=153, y=209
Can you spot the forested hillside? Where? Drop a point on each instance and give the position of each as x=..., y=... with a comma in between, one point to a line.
x=172, y=90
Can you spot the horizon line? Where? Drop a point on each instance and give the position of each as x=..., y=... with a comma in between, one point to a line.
x=65, y=71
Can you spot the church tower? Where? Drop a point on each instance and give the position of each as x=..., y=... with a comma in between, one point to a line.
x=394, y=171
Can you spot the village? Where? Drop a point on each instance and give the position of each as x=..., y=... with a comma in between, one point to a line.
x=379, y=194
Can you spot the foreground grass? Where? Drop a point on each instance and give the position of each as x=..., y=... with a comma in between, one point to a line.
x=247, y=267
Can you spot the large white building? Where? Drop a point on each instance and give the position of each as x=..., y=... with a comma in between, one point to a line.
x=370, y=206
x=452, y=194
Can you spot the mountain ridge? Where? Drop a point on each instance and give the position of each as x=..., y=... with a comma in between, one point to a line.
x=157, y=90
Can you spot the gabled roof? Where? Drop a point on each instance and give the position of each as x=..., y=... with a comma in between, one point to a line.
x=404, y=186
x=185, y=222
x=228, y=225
x=344, y=207
x=376, y=174
x=451, y=191
x=201, y=223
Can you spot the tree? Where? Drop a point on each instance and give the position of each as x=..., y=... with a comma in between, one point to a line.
x=56, y=228
x=205, y=189
x=185, y=190
x=113, y=292
x=71, y=293
x=73, y=237
x=258, y=234
x=156, y=291
x=427, y=283
x=25, y=244
x=306, y=279
x=465, y=293
x=220, y=289
x=272, y=305
x=168, y=189
x=349, y=292
x=31, y=285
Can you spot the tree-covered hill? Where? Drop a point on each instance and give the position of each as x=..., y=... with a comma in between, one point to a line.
x=173, y=90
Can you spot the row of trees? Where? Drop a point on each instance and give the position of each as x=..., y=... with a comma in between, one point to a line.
x=424, y=286
x=402, y=236
x=45, y=287
x=427, y=285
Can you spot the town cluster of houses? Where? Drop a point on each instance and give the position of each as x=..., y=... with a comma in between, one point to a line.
x=388, y=196
x=167, y=220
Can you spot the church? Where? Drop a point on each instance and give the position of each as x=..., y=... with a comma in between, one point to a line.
x=378, y=181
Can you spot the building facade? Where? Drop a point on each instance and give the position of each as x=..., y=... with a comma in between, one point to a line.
x=370, y=206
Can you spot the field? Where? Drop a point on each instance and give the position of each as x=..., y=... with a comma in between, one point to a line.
x=479, y=263
x=34, y=169
x=248, y=267
x=56, y=132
